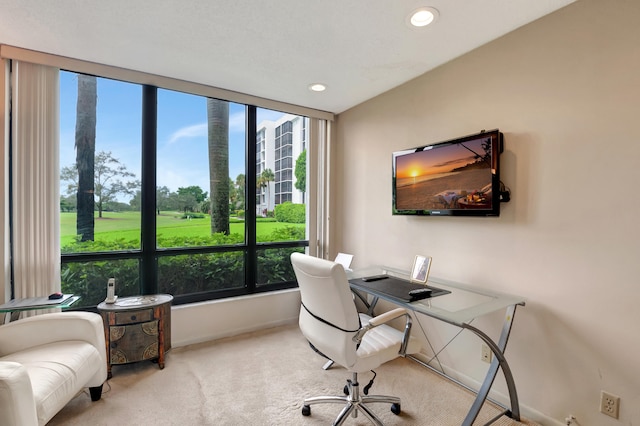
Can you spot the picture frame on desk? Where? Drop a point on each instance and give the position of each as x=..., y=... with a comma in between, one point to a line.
x=420, y=270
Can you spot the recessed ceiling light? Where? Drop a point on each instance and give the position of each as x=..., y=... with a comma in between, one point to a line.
x=317, y=87
x=423, y=16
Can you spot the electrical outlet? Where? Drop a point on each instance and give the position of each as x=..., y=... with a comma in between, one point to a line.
x=609, y=404
x=486, y=355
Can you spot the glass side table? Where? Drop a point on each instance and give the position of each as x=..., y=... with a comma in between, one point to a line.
x=13, y=308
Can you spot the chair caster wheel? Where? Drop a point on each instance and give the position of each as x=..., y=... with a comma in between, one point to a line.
x=306, y=410
x=346, y=390
x=395, y=409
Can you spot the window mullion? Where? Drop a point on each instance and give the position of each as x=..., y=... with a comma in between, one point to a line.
x=148, y=268
x=251, y=256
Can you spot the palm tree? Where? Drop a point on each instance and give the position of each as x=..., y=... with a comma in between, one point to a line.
x=266, y=177
x=85, y=154
x=218, y=135
x=259, y=185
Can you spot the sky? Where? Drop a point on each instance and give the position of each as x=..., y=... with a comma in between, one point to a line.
x=181, y=132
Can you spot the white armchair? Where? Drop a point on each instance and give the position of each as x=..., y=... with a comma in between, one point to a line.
x=45, y=361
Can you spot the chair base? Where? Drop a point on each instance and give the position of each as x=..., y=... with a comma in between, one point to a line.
x=354, y=402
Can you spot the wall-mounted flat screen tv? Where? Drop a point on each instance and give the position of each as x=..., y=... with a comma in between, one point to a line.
x=458, y=177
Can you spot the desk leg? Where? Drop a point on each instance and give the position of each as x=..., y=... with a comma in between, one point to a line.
x=498, y=361
x=365, y=302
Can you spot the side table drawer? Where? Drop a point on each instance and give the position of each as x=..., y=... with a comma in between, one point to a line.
x=133, y=317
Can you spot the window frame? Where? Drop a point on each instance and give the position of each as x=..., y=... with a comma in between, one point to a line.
x=149, y=254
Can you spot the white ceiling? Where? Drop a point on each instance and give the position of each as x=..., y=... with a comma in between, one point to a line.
x=268, y=48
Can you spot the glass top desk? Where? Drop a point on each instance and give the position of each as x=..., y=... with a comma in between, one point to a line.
x=15, y=307
x=459, y=308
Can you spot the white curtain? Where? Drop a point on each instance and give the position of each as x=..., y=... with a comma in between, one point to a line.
x=35, y=179
x=320, y=186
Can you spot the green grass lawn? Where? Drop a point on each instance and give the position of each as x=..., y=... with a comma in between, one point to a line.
x=126, y=225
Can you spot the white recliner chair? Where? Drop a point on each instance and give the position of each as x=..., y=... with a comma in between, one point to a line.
x=45, y=361
x=330, y=322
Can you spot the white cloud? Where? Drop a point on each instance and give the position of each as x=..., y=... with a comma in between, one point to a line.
x=236, y=124
x=189, y=132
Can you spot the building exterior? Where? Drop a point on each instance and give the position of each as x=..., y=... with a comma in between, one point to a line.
x=278, y=146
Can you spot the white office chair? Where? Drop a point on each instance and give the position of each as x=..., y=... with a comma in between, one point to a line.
x=331, y=323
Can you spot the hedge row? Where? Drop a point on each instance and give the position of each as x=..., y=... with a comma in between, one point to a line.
x=290, y=213
x=181, y=274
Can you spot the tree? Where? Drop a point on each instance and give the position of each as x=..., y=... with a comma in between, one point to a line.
x=85, y=152
x=190, y=198
x=162, y=199
x=107, y=182
x=301, y=172
x=266, y=177
x=68, y=204
x=186, y=202
x=218, y=138
x=238, y=198
x=108, y=171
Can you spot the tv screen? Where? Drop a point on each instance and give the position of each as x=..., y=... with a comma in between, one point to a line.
x=459, y=177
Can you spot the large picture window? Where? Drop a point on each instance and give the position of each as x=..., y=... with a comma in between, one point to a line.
x=173, y=192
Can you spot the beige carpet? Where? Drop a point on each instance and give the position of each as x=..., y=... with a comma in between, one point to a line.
x=260, y=379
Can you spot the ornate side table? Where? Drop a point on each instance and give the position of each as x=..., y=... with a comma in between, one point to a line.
x=137, y=329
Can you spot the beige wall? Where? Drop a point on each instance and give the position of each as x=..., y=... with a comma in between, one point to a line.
x=565, y=90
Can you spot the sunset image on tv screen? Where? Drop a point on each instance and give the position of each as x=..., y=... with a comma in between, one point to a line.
x=451, y=176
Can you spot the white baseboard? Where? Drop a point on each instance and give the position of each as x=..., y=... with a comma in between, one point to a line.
x=217, y=319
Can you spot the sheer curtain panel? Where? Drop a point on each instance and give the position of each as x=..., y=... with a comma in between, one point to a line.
x=35, y=179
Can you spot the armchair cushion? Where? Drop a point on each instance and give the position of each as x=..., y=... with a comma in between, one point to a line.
x=45, y=361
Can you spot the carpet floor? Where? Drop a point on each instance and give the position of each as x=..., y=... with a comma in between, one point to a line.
x=261, y=378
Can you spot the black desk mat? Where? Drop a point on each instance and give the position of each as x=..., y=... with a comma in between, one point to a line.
x=398, y=288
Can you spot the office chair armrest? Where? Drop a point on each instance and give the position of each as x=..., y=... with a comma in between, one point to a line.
x=385, y=318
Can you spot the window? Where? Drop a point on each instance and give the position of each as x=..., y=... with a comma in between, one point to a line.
x=100, y=155
x=172, y=206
